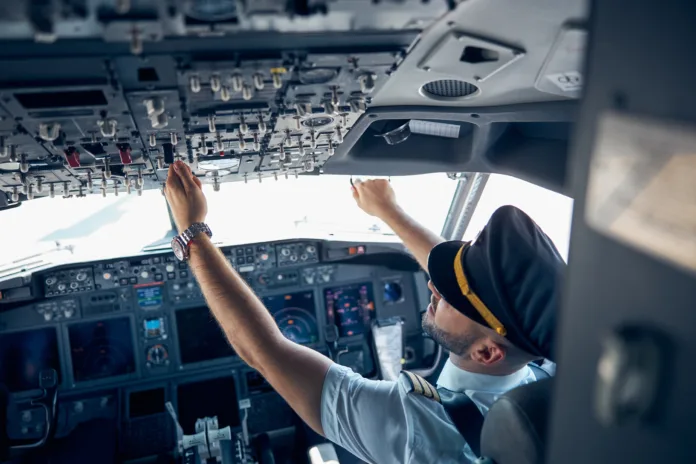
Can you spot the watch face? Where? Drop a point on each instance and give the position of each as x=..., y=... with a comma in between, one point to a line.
x=178, y=249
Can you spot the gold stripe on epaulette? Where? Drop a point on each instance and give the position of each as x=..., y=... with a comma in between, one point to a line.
x=425, y=386
x=415, y=384
x=421, y=386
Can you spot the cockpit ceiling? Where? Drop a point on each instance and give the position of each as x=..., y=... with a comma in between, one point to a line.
x=99, y=101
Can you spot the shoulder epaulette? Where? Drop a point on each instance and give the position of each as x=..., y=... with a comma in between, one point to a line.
x=419, y=386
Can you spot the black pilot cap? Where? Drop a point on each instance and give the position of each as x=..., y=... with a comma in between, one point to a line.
x=513, y=273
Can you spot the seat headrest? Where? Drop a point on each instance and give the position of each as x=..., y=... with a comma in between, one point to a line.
x=514, y=431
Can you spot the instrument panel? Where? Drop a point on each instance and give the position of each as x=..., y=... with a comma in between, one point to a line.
x=143, y=329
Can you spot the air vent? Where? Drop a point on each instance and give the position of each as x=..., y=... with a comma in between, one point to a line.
x=449, y=89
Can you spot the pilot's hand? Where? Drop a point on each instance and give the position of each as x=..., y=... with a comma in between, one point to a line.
x=375, y=197
x=185, y=196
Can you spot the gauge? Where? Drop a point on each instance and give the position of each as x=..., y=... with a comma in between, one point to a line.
x=392, y=292
x=297, y=325
x=157, y=355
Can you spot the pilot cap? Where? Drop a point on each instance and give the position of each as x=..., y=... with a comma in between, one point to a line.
x=508, y=279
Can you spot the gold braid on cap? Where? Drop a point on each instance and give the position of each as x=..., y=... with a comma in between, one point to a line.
x=473, y=298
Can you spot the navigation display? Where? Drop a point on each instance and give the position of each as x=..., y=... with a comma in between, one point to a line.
x=350, y=307
x=295, y=315
x=149, y=297
x=23, y=355
x=200, y=336
x=101, y=349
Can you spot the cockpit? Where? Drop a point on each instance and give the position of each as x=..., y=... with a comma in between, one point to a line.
x=109, y=350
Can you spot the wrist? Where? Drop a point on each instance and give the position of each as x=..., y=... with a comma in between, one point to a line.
x=390, y=213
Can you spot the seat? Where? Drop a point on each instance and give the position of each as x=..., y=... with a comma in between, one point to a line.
x=515, y=428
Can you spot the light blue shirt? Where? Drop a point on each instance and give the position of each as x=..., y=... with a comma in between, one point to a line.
x=380, y=422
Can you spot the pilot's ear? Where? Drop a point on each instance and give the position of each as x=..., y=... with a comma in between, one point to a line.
x=487, y=352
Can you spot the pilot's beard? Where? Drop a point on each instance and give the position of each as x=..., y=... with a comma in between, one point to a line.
x=458, y=345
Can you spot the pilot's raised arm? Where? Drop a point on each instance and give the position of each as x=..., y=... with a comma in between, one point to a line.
x=376, y=197
x=401, y=421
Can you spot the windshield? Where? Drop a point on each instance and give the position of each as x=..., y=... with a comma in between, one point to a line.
x=308, y=207
x=552, y=211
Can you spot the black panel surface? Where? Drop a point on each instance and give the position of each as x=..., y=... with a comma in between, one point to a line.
x=23, y=355
x=200, y=336
x=639, y=65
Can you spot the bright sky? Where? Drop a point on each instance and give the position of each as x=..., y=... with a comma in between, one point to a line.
x=311, y=206
x=552, y=211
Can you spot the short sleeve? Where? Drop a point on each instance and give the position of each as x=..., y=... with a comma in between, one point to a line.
x=380, y=422
x=366, y=417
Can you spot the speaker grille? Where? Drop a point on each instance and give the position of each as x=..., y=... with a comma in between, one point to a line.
x=449, y=88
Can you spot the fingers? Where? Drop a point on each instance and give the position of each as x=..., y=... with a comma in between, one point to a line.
x=185, y=176
x=173, y=181
x=198, y=182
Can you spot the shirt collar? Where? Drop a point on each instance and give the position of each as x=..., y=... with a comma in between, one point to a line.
x=458, y=380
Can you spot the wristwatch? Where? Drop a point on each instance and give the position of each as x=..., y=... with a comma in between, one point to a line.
x=180, y=243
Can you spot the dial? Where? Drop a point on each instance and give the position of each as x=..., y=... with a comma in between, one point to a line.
x=157, y=355
x=297, y=324
x=178, y=249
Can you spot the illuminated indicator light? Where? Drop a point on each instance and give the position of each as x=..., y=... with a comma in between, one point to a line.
x=350, y=332
x=291, y=322
x=346, y=305
x=371, y=306
x=361, y=250
x=352, y=250
x=288, y=297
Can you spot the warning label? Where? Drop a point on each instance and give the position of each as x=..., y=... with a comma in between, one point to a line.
x=569, y=81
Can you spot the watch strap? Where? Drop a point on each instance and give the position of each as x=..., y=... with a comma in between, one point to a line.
x=193, y=230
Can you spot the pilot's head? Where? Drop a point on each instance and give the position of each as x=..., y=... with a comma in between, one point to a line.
x=494, y=301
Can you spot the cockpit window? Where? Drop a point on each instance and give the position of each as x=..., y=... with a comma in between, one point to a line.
x=308, y=207
x=552, y=211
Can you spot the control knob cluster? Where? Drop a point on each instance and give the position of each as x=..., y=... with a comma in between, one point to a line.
x=297, y=253
x=69, y=281
x=57, y=310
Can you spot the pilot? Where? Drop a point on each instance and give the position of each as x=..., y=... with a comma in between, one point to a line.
x=493, y=306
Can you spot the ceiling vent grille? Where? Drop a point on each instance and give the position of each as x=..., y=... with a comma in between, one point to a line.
x=449, y=89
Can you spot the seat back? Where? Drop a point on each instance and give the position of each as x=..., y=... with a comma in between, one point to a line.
x=515, y=428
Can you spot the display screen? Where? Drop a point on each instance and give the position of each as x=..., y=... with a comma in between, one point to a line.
x=153, y=327
x=350, y=307
x=295, y=315
x=23, y=355
x=200, y=336
x=101, y=349
x=146, y=403
x=215, y=397
x=149, y=297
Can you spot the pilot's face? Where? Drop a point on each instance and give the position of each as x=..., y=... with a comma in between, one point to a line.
x=447, y=326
